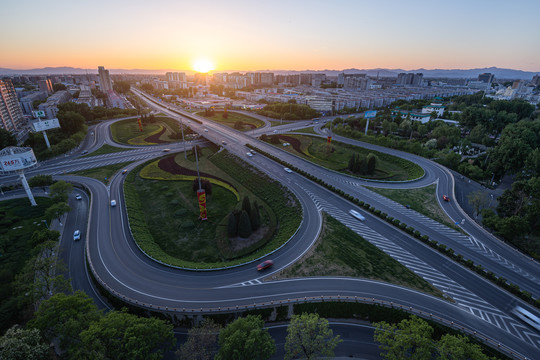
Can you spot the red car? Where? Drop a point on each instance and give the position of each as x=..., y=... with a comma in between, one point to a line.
x=445, y=198
x=265, y=265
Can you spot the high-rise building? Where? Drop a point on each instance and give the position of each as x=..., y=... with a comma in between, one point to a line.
x=175, y=76
x=104, y=79
x=11, y=115
x=486, y=77
x=46, y=85
x=536, y=80
x=410, y=79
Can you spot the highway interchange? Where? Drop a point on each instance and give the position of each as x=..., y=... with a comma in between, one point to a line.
x=121, y=267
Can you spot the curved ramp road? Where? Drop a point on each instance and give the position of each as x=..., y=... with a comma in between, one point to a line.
x=119, y=264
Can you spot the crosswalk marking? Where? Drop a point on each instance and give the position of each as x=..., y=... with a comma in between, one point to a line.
x=463, y=297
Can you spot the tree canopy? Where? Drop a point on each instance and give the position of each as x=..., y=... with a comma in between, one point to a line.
x=119, y=335
x=202, y=342
x=309, y=337
x=64, y=317
x=22, y=344
x=412, y=339
x=245, y=339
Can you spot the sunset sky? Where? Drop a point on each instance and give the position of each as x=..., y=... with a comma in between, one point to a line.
x=260, y=35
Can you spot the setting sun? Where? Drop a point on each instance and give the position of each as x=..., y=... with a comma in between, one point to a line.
x=203, y=66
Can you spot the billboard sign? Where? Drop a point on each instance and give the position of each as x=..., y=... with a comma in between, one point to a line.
x=45, y=125
x=19, y=161
x=39, y=114
x=201, y=196
x=370, y=114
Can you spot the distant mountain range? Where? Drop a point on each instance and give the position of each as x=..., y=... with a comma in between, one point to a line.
x=499, y=73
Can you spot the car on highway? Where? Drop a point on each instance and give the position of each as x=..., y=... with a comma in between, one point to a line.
x=113, y=203
x=166, y=150
x=446, y=198
x=355, y=214
x=77, y=235
x=78, y=197
x=84, y=152
x=287, y=170
x=275, y=131
x=527, y=317
x=205, y=130
x=124, y=171
x=223, y=142
x=249, y=154
x=265, y=265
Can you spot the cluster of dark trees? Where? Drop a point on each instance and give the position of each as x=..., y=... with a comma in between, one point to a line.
x=245, y=221
x=28, y=279
x=7, y=139
x=363, y=165
x=308, y=337
x=414, y=338
x=517, y=218
x=121, y=87
x=288, y=111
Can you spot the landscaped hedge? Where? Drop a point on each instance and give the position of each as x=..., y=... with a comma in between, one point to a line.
x=443, y=249
x=276, y=195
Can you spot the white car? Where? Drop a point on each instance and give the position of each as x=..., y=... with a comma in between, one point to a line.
x=287, y=170
x=356, y=215
x=77, y=235
x=275, y=131
x=249, y=154
x=527, y=317
x=113, y=203
x=78, y=197
x=205, y=130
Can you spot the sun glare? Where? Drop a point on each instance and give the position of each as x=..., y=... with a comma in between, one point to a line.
x=203, y=66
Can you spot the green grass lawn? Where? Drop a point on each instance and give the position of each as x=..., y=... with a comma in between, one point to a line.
x=127, y=131
x=232, y=118
x=18, y=221
x=339, y=251
x=175, y=235
x=103, y=173
x=106, y=149
x=336, y=156
x=422, y=200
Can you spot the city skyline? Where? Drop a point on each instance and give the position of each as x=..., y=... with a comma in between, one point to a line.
x=296, y=35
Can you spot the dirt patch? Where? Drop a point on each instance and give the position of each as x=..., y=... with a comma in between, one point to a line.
x=295, y=143
x=169, y=165
x=155, y=139
x=238, y=243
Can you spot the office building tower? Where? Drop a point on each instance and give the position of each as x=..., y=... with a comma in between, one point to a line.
x=104, y=79
x=486, y=77
x=11, y=115
x=46, y=85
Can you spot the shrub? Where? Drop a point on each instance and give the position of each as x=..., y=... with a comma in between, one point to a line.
x=244, y=225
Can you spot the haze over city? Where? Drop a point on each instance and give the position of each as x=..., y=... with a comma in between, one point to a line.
x=288, y=35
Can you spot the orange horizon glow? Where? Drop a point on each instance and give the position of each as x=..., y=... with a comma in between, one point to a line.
x=240, y=36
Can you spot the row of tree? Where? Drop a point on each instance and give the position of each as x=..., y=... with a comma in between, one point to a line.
x=414, y=339
x=245, y=221
x=308, y=337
